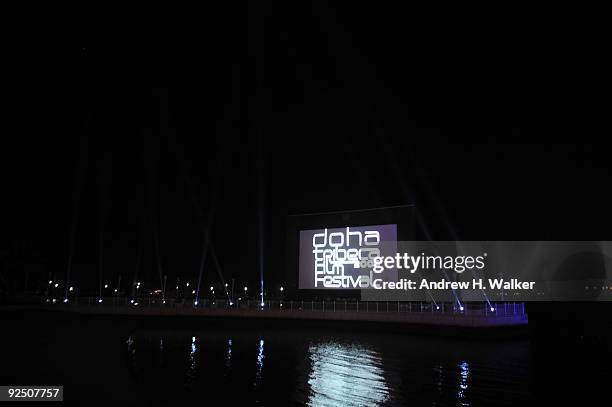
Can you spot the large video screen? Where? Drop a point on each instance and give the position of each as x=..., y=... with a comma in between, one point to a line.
x=330, y=258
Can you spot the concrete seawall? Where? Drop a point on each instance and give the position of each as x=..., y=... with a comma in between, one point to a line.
x=417, y=318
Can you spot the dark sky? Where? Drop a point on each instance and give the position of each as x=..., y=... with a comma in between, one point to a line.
x=490, y=119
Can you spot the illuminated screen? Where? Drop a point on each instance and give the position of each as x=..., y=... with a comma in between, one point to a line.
x=330, y=258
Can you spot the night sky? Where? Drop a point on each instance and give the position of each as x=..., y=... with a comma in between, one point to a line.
x=490, y=119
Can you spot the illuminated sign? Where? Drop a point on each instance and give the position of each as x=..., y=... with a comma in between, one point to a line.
x=332, y=258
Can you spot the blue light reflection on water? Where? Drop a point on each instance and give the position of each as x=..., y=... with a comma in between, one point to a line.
x=464, y=376
x=228, y=356
x=192, y=370
x=325, y=370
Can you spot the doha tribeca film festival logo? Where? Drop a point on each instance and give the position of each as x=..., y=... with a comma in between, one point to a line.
x=339, y=255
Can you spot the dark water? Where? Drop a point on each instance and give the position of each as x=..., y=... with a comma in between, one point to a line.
x=145, y=363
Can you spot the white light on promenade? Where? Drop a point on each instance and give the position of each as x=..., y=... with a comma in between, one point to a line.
x=105, y=285
x=100, y=301
x=56, y=285
x=115, y=290
x=282, y=289
x=193, y=292
x=212, y=288
x=50, y=281
x=246, y=288
x=196, y=302
x=71, y=288
x=187, y=285
x=492, y=309
x=65, y=300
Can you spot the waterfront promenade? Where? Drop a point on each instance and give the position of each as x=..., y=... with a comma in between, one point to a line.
x=475, y=315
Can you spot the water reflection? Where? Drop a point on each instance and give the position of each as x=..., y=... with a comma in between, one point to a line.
x=464, y=376
x=438, y=380
x=161, y=352
x=228, y=356
x=192, y=369
x=349, y=375
x=260, y=358
x=131, y=349
x=326, y=370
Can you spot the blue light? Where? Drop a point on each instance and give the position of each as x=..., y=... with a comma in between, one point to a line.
x=464, y=377
x=461, y=308
x=260, y=358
